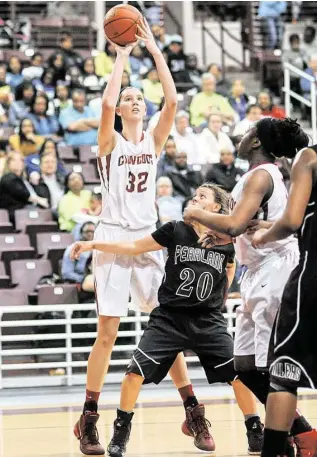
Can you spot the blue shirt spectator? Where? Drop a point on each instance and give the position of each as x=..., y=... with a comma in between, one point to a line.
x=311, y=71
x=24, y=94
x=44, y=125
x=14, y=75
x=76, y=270
x=79, y=121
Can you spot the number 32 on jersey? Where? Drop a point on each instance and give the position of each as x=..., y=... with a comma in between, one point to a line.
x=137, y=183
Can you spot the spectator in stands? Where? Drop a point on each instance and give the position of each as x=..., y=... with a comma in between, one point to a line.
x=36, y=68
x=184, y=179
x=44, y=125
x=79, y=122
x=5, y=89
x=224, y=173
x=265, y=102
x=311, y=71
x=75, y=270
x=51, y=183
x=295, y=56
x=85, y=215
x=193, y=71
x=32, y=162
x=46, y=83
x=75, y=200
x=238, y=99
x=176, y=60
x=253, y=114
x=104, y=61
x=26, y=141
x=139, y=63
x=309, y=45
x=62, y=98
x=223, y=86
x=169, y=208
x=213, y=140
x=71, y=57
x=75, y=78
x=14, y=75
x=15, y=191
x=270, y=13
x=57, y=62
x=152, y=88
x=206, y=102
x=185, y=139
x=159, y=35
x=3, y=117
x=24, y=95
x=90, y=79
x=167, y=157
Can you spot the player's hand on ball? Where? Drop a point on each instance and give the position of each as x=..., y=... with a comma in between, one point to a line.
x=79, y=247
x=145, y=34
x=124, y=51
x=257, y=240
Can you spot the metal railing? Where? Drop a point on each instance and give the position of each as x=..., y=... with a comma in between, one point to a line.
x=288, y=69
x=66, y=338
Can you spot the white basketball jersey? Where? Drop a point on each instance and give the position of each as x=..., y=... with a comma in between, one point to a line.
x=128, y=184
x=271, y=210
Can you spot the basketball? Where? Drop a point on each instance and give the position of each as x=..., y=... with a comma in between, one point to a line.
x=121, y=24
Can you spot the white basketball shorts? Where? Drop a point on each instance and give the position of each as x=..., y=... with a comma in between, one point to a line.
x=119, y=276
x=261, y=293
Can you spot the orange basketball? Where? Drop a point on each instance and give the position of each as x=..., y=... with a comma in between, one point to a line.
x=121, y=24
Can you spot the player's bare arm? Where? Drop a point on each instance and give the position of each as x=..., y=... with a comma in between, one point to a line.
x=146, y=244
x=106, y=132
x=255, y=189
x=230, y=270
x=165, y=123
x=302, y=176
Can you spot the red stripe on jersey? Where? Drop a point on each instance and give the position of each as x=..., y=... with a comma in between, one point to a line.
x=108, y=161
x=100, y=168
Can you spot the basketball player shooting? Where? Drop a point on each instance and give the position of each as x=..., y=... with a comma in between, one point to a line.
x=260, y=194
x=127, y=169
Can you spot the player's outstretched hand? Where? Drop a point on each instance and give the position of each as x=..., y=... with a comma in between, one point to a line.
x=79, y=247
x=257, y=240
x=189, y=214
x=212, y=238
x=145, y=34
x=257, y=224
x=124, y=51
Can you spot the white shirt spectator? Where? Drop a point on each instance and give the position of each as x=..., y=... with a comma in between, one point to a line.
x=213, y=140
x=32, y=72
x=186, y=140
x=253, y=114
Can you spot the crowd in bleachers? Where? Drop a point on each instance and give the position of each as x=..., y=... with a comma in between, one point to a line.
x=49, y=117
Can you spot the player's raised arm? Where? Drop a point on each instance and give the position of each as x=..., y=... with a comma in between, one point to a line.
x=301, y=185
x=165, y=123
x=106, y=132
x=146, y=244
x=255, y=189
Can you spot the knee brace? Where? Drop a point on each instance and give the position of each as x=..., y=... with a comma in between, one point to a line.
x=258, y=382
x=274, y=388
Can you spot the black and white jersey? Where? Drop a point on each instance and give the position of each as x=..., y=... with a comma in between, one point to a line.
x=195, y=277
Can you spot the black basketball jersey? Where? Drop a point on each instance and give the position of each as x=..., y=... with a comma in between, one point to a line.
x=194, y=276
x=307, y=234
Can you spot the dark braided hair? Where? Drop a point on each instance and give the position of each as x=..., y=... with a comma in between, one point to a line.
x=281, y=137
x=221, y=196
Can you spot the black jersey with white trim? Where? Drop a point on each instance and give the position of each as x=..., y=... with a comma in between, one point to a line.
x=195, y=277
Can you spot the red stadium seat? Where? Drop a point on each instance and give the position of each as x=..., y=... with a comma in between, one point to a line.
x=66, y=153
x=58, y=295
x=48, y=241
x=87, y=169
x=23, y=217
x=27, y=273
x=33, y=229
x=86, y=154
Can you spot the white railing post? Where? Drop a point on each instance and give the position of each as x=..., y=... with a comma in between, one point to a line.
x=138, y=326
x=313, y=111
x=287, y=82
x=69, y=345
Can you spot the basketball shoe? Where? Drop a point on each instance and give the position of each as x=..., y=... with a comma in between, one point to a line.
x=197, y=426
x=255, y=438
x=86, y=432
x=306, y=444
x=120, y=438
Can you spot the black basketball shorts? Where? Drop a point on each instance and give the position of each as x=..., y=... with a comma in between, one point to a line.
x=294, y=337
x=171, y=332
